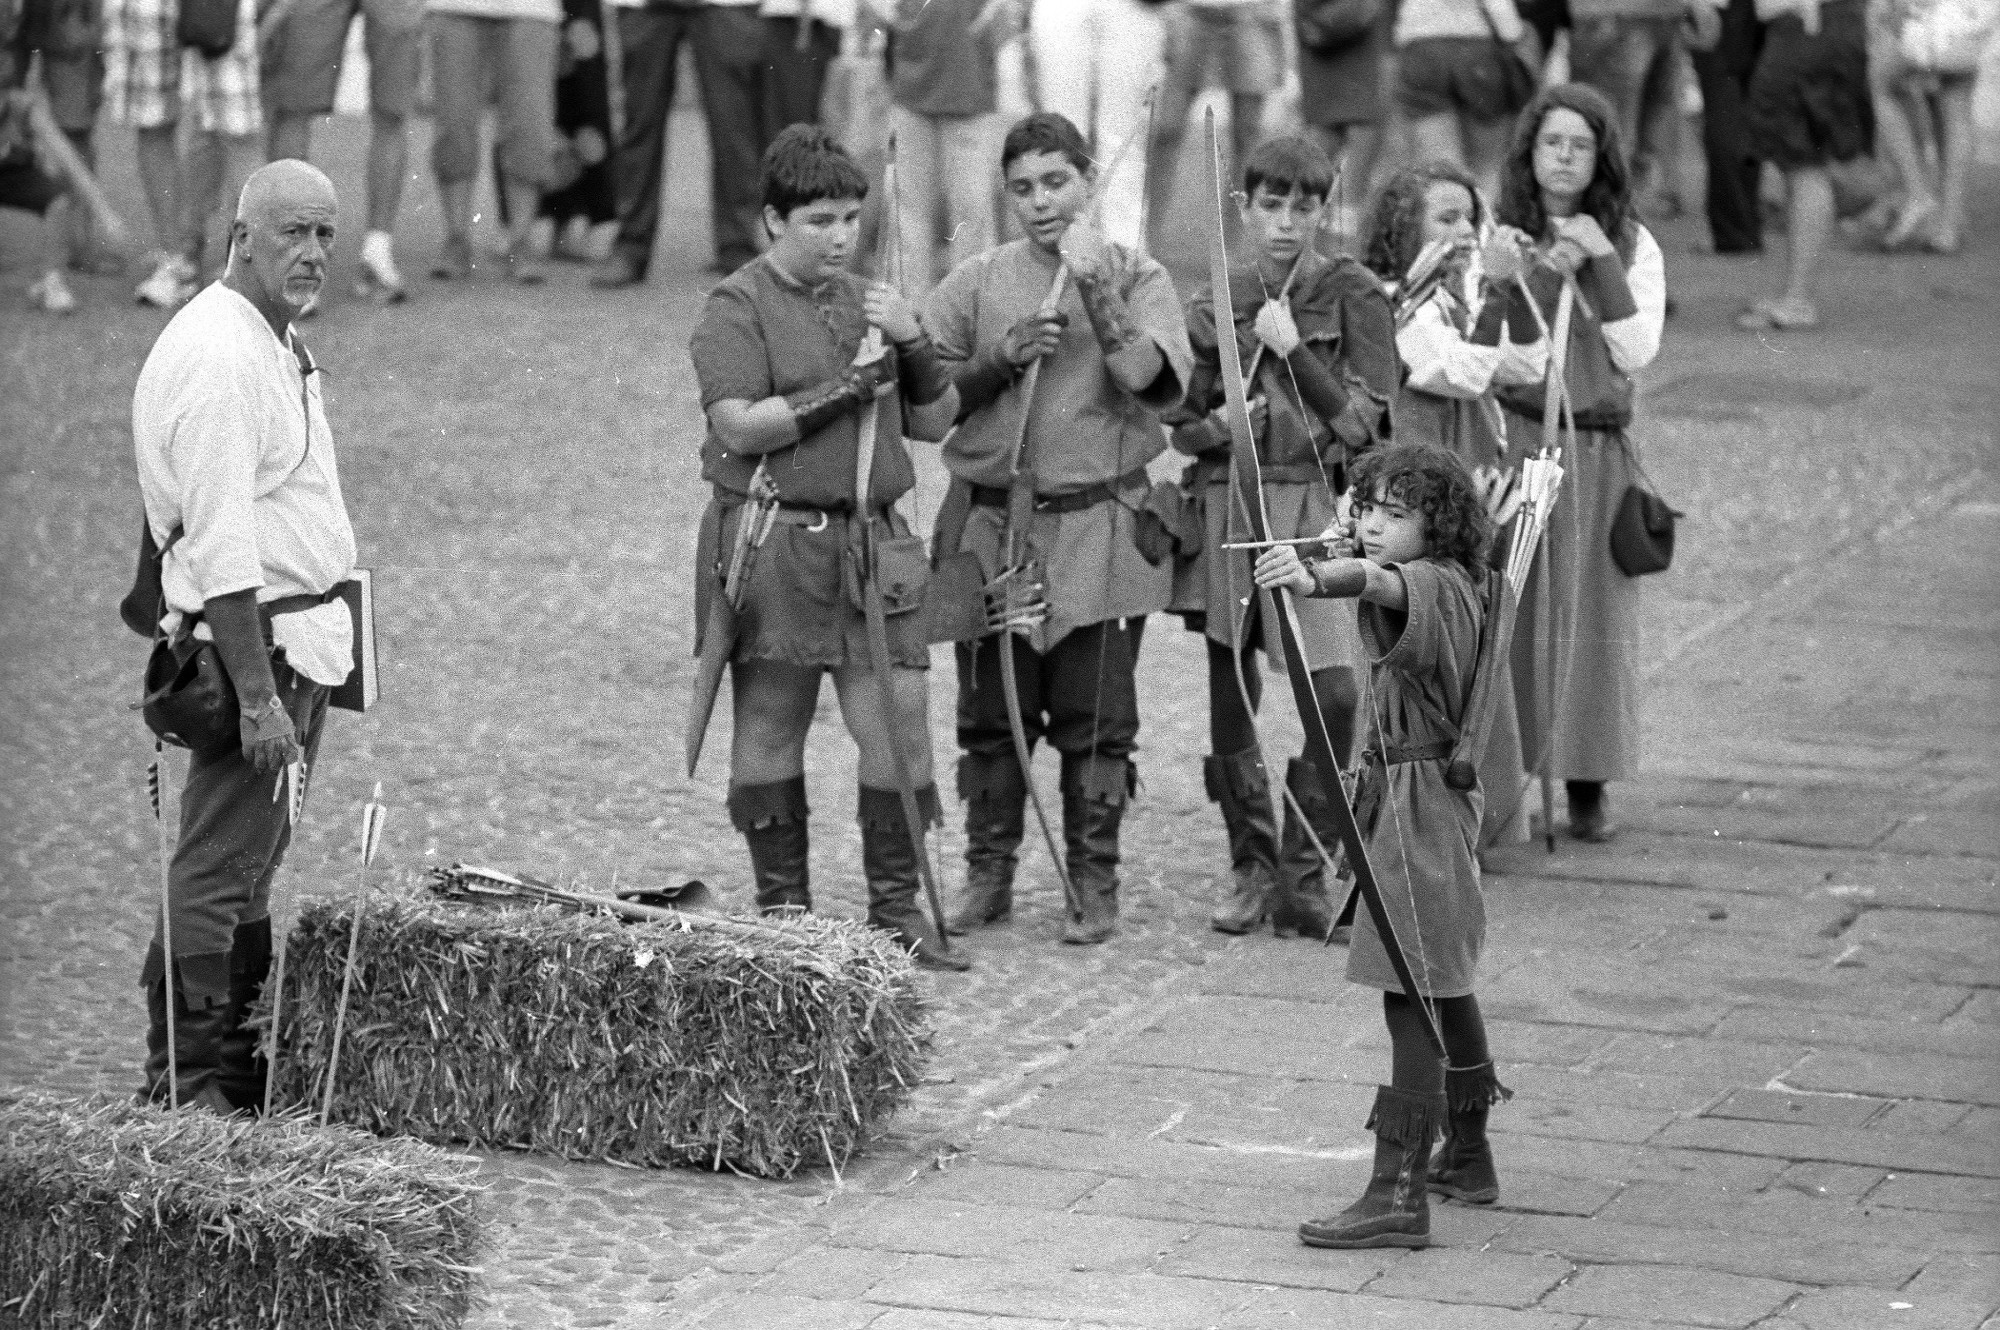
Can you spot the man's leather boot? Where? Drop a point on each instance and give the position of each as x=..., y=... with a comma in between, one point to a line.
x=243, y=1069
x=772, y=819
x=200, y=1011
x=1394, y=1210
x=996, y=797
x=1239, y=785
x=1464, y=1170
x=889, y=861
x=1302, y=906
x=1095, y=790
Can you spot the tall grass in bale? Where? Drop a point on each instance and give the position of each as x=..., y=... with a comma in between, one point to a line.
x=120, y=1215
x=758, y=1046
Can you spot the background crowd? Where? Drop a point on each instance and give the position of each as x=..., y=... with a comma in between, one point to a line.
x=1820, y=109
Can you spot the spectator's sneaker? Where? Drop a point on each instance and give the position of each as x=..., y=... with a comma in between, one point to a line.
x=378, y=279
x=172, y=284
x=616, y=271
x=52, y=294
x=454, y=260
x=523, y=269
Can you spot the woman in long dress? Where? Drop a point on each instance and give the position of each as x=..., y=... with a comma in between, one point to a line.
x=1576, y=652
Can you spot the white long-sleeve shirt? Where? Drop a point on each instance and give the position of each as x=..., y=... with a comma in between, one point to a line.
x=1440, y=361
x=1635, y=340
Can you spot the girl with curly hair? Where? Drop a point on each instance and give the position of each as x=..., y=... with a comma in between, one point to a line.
x=1463, y=326
x=1576, y=671
x=1421, y=530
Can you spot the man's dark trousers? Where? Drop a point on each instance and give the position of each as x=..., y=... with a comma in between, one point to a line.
x=233, y=836
x=1735, y=212
x=755, y=81
x=650, y=41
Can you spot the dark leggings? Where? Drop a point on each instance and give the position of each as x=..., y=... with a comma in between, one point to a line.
x=1230, y=728
x=1415, y=1066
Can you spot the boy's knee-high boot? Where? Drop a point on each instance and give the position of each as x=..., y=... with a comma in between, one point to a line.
x=772, y=818
x=1464, y=1170
x=1239, y=784
x=1095, y=789
x=242, y=1067
x=889, y=861
x=996, y=798
x=201, y=1009
x=1394, y=1210
x=1302, y=906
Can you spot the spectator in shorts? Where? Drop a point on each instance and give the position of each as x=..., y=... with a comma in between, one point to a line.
x=301, y=69
x=1809, y=108
x=150, y=81
x=67, y=35
x=1235, y=45
x=1094, y=61
x=1340, y=91
x=1452, y=80
x=502, y=51
x=1924, y=56
x=23, y=184
x=944, y=99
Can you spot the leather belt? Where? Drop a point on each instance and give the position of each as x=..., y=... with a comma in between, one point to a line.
x=1074, y=501
x=1396, y=757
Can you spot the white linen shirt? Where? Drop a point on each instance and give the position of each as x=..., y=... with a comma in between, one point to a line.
x=1440, y=361
x=233, y=446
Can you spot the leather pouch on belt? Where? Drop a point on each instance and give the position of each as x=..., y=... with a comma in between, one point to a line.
x=955, y=604
x=1168, y=524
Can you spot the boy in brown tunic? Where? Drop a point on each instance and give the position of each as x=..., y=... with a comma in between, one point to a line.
x=1423, y=531
x=777, y=354
x=1112, y=354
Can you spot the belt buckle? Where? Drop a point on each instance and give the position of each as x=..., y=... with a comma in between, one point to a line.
x=820, y=521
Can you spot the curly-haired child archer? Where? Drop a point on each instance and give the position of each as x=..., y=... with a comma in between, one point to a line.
x=1422, y=533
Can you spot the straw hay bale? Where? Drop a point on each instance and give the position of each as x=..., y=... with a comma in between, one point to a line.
x=118, y=1214
x=576, y=1035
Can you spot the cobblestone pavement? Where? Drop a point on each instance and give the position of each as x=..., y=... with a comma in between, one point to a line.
x=518, y=464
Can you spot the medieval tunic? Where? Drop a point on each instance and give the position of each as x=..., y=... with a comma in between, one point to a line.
x=1579, y=644
x=1344, y=323
x=1083, y=430
x=1421, y=833
x=1447, y=400
x=766, y=334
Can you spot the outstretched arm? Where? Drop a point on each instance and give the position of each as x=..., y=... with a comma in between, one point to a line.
x=1280, y=566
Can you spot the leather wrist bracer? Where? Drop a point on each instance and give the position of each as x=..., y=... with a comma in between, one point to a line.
x=919, y=372
x=813, y=409
x=1109, y=318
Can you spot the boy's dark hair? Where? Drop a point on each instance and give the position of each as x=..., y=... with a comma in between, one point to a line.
x=1608, y=197
x=1045, y=131
x=1286, y=163
x=1396, y=221
x=1425, y=478
x=805, y=164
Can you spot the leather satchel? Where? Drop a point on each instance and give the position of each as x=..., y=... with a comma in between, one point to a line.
x=1642, y=532
x=189, y=701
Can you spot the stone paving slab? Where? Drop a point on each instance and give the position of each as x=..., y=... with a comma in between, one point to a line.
x=1711, y=1300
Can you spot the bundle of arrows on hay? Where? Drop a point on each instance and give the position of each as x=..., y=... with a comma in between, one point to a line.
x=665, y=1037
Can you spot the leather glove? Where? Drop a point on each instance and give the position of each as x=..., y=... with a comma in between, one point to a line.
x=1033, y=337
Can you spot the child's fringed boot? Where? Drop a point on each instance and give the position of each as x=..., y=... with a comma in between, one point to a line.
x=1395, y=1209
x=1464, y=1169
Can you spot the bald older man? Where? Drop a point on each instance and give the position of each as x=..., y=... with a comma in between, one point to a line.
x=236, y=467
